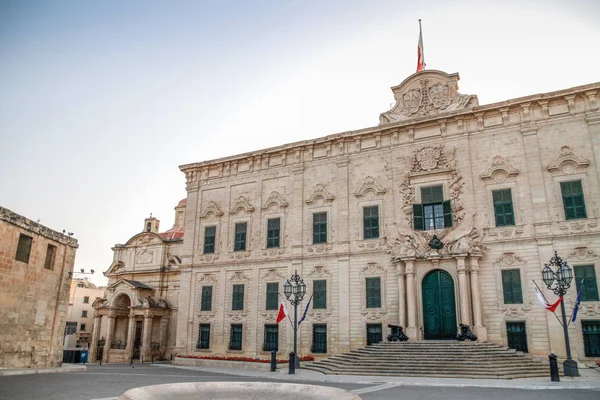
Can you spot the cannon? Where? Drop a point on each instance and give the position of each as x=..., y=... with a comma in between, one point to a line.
x=396, y=334
x=464, y=333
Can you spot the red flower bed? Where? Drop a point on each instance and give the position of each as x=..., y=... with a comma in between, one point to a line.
x=244, y=359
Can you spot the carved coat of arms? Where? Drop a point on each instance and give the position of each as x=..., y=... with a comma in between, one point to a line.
x=412, y=101
x=439, y=94
x=427, y=158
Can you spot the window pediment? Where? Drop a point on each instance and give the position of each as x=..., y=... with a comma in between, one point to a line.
x=241, y=204
x=370, y=186
x=319, y=192
x=275, y=199
x=567, y=162
x=211, y=208
x=499, y=170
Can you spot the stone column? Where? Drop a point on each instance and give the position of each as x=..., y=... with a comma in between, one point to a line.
x=478, y=329
x=146, y=336
x=130, y=335
x=465, y=315
x=411, y=330
x=95, y=337
x=401, y=295
x=110, y=326
x=164, y=327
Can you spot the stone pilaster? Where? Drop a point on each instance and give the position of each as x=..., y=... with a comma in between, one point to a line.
x=535, y=175
x=344, y=305
x=411, y=330
x=95, y=337
x=401, y=295
x=146, y=336
x=183, y=313
x=110, y=326
x=130, y=335
x=465, y=315
x=478, y=329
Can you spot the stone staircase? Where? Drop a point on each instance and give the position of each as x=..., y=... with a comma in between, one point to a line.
x=441, y=359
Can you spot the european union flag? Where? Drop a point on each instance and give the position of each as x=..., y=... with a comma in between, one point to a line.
x=578, y=301
x=305, y=310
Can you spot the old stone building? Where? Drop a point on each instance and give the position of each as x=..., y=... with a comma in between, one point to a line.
x=442, y=214
x=36, y=265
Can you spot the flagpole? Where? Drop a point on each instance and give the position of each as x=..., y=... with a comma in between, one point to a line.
x=422, y=45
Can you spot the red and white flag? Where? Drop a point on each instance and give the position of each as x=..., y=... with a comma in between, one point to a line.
x=420, y=51
x=544, y=303
x=282, y=313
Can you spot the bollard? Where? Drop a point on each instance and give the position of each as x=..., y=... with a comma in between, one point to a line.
x=292, y=363
x=553, y=368
x=273, y=360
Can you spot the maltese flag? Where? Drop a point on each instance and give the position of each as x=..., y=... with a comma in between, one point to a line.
x=420, y=51
x=282, y=312
x=544, y=303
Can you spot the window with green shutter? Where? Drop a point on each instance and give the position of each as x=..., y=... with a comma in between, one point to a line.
x=240, y=236
x=206, y=302
x=503, y=207
x=235, y=337
x=271, y=338
x=272, y=296
x=371, y=222
x=511, y=286
x=573, y=202
x=237, y=302
x=319, y=294
x=24, y=248
x=589, y=289
x=319, y=344
x=203, y=337
x=273, y=232
x=209, y=239
x=320, y=228
x=373, y=286
x=434, y=212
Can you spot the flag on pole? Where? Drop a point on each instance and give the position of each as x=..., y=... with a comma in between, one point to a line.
x=544, y=302
x=578, y=301
x=282, y=312
x=305, y=310
x=420, y=51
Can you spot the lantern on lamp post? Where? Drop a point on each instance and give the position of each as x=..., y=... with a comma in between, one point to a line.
x=294, y=290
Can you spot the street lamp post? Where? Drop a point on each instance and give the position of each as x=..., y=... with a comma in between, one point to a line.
x=559, y=281
x=294, y=290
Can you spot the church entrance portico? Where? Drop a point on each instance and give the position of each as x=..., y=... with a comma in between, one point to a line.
x=439, y=307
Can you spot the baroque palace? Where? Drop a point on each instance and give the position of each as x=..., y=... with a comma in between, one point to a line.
x=443, y=214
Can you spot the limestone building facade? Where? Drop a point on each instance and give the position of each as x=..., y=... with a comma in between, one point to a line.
x=80, y=314
x=36, y=265
x=445, y=213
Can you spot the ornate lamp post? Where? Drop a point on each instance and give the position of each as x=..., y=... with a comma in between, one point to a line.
x=559, y=280
x=294, y=290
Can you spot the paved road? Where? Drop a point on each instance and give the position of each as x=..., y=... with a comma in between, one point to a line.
x=110, y=381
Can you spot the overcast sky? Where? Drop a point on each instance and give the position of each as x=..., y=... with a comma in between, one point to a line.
x=101, y=101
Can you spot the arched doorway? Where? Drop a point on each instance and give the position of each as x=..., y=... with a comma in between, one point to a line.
x=439, y=307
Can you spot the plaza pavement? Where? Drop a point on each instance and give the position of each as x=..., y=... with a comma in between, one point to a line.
x=589, y=379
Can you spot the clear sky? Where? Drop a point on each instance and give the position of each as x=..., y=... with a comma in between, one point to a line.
x=101, y=101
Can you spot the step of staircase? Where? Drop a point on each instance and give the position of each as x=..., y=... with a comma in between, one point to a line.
x=444, y=359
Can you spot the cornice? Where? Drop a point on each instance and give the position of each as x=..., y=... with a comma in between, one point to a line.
x=522, y=108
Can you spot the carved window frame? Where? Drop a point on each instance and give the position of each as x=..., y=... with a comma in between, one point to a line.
x=265, y=229
x=378, y=272
x=202, y=235
x=320, y=210
x=321, y=273
x=232, y=223
x=370, y=203
x=501, y=265
x=585, y=188
x=490, y=211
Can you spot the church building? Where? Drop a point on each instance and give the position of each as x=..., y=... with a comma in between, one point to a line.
x=443, y=214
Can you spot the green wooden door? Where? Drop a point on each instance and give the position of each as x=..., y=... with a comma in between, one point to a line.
x=439, y=308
